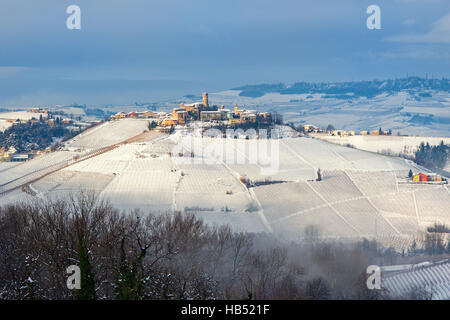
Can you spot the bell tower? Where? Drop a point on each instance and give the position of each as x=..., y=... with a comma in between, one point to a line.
x=205, y=99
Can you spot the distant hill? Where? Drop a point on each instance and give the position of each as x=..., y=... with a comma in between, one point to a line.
x=348, y=90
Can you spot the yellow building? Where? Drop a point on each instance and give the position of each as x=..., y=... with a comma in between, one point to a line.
x=120, y=115
x=148, y=114
x=238, y=111
x=340, y=133
x=3, y=153
x=210, y=115
x=181, y=116
x=363, y=133
x=168, y=122
x=232, y=121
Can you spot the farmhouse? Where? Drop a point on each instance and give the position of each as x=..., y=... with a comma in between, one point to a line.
x=21, y=157
x=421, y=177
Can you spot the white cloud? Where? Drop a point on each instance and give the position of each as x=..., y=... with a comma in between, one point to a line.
x=439, y=33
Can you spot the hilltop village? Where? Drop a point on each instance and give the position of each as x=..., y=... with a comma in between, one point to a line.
x=35, y=131
x=23, y=141
x=202, y=111
x=219, y=115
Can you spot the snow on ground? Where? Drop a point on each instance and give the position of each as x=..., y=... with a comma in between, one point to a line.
x=108, y=133
x=7, y=165
x=358, y=203
x=13, y=197
x=434, y=278
x=67, y=182
x=4, y=125
x=22, y=115
x=399, y=112
x=360, y=194
x=394, y=145
x=21, y=173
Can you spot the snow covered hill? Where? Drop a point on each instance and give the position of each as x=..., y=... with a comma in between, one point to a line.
x=432, y=278
x=359, y=196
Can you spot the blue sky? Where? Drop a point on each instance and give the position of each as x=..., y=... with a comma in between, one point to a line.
x=210, y=45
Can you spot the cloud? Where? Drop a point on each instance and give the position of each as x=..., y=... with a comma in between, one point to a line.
x=439, y=33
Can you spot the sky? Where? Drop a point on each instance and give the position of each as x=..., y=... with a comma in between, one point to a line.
x=146, y=50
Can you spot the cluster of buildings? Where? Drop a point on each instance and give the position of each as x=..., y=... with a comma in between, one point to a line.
x=422, y=177
x=344, y=133
x=310, y=128
x=204, y=112
x=136, y=114
x=38, y=110
x=200, y=111
x=375, y=133
x=37, y=116
x=12, y=155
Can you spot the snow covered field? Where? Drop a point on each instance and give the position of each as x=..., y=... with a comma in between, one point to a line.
x=14, y=175
x=433, y=278
x=22, y=115
x=107, y=134
x=393, y=145
x=359, y=196
x=4, y=125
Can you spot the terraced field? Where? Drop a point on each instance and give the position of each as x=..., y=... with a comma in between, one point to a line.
x=361, y=193
x=433, y=278
x=107, y=134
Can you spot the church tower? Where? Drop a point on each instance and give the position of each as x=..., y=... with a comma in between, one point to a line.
x=205, y=99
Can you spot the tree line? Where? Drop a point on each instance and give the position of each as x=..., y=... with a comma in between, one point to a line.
x=136, y=255
x=29, y=136
x=432, y=156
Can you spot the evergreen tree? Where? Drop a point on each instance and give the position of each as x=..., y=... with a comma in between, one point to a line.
x=410, y=174
x=152, y=125
x=87, y=291
x=130, y=285
x=319, y=175
x=432, y=156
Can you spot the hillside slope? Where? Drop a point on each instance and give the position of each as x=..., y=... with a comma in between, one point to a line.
x=362, y=194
